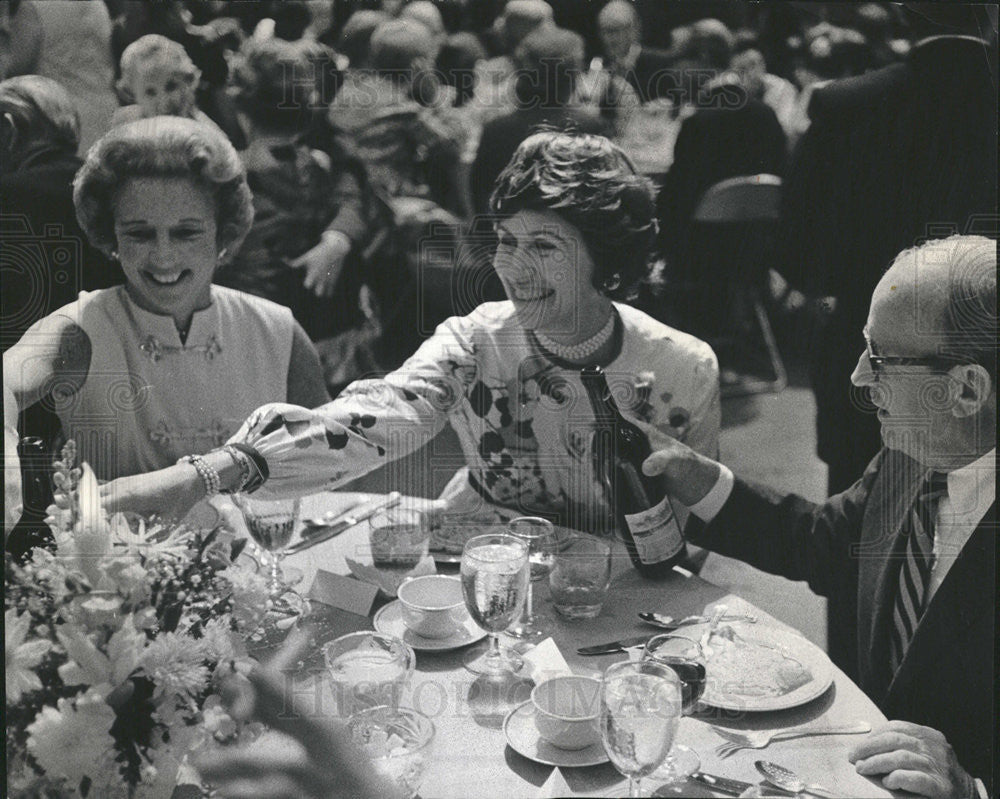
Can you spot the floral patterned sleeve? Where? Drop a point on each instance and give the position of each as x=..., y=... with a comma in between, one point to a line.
x=370, y=423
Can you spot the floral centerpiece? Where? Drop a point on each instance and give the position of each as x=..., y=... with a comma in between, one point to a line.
x=116, y=643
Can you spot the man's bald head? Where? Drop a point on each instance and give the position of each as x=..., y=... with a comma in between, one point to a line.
x=521, y=17
x=943, y=296
x=618, y=14
x=618, y=26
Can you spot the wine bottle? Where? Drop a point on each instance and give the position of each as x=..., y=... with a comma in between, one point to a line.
x=643, y=515
x=36, y=495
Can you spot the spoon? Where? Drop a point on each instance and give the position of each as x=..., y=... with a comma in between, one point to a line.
x=787, y=780
x=670, y=623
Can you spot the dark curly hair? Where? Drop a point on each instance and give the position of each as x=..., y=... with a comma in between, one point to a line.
x=163, y=147
x=592, y=184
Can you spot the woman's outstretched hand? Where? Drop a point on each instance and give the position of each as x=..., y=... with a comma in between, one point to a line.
x=168, y=493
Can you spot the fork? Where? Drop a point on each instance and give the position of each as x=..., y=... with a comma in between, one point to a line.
x=752, y=739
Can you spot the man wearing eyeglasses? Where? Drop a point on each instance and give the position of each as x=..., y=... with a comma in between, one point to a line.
x=907, y=554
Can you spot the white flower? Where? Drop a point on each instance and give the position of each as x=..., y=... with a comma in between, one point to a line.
x=87, y=665
x=130, y=580
x=175, y=663
x=250, y=596
x=72, y=740
x=168, y=767
x=20, y=657
x=220, y=641
x=151, y=540
x=92, y=536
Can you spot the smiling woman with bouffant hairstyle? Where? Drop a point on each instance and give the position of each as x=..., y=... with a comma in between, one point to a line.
x=168, y=363
x=591, y=183
x=163, y=147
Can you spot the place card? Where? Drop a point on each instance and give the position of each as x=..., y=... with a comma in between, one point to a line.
x=555, y=785
x=389, y=582
x=545, y=661
x=342, y=592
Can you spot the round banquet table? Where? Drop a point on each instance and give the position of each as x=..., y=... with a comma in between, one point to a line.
x=471, y=756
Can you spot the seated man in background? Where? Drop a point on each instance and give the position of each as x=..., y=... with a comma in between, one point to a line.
x=645, y=68
x=907, y=554
x=550, y=60
x=776, y=92
x=727, y=133
x=494, y=94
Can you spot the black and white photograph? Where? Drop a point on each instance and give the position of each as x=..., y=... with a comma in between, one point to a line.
x=502, y=399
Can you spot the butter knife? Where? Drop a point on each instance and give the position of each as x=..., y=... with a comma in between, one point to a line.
x=356, y=516
x=613, y=646
x=723, y=784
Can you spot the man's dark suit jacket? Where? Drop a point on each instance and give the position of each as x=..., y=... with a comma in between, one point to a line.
x=849, y=549
x=731, y=134
x=892, y=156
x=650, y=76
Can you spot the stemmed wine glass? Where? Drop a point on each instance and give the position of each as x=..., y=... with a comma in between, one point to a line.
x=540, y=537
x=494, y=584
x=640, y=711
x=687, y=659
x=271, y=523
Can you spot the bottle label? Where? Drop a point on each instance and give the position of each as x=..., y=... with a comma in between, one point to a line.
x=656, y=532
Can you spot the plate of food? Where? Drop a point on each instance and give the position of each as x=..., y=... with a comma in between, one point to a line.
x=448, y=540
x=755, y=667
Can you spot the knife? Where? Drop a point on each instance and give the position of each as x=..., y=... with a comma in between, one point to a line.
x=356, y=516
x=317, y=524
x=724, y=784
x=613, y=646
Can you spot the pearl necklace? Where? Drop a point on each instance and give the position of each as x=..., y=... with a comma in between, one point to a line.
x=578, y=352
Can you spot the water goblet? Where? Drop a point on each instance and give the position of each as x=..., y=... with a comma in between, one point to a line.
x=494, y=572
x=271, y=523
x=686, y=658
x=540, y=537
x=640, y=712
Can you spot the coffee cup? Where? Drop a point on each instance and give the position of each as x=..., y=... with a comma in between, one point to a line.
x=567, y=711
x=432, y=605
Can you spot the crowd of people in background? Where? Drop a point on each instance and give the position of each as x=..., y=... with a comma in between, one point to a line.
x=375, y=122
x=373, y=134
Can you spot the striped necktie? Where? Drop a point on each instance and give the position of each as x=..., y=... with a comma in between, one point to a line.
x=915, y=570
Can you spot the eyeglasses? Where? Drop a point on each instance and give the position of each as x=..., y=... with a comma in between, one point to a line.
x=879, y=362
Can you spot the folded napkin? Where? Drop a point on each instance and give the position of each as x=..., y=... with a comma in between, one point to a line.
x=389, y=582
x=545, y=661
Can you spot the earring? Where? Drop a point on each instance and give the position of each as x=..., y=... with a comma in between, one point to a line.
x=613, y=282
x=223, y=252
x=113, y=255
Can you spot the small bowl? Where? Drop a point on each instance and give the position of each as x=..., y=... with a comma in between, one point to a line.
x=567, y=710
x=432, y=605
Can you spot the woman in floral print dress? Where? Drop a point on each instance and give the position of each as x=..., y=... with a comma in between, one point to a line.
x=575, y=227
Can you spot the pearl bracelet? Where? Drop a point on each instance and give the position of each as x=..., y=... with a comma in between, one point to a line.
x=208, y=474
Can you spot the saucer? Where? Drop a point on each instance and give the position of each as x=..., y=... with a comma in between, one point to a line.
x=389, y=620
x=523, y=737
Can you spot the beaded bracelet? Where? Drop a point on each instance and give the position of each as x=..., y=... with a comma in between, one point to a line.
x=209, y=476
x=245, y=466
